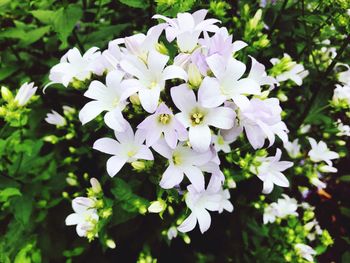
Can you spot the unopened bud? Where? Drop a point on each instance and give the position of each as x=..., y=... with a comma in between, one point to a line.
x=161, y=48
x=256, y=19
x=157, y=206
x=138, y=165
x=6, y=94
x=96, y=186
x=194, y=76
x=110, y=243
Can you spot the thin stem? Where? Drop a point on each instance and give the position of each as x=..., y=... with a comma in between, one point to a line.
x=276, y=21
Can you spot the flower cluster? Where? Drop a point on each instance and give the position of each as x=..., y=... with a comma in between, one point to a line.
x=194, y=104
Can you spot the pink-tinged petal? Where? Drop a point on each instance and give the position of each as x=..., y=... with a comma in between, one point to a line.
x=156, y=61
x=90, y=111
x=200, y=137
x=114, y=164
x=170, y=137
x=115, y=120
x=108, y=145
x=163, y=149
x=149, y=98
x=171, y=177
x=73, y=219
x=204, y=219
x=189, y=224
x=222, y=117
x=144, y=153
x=255, y=136
x=195, y=176
x=183, y=97
x=248, y=86
x=209, y=94
x=174, y=72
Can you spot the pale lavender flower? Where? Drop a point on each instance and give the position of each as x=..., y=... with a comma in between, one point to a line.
x=128, y=147
x=162, y=122
x=55, y=118
x=198, y=118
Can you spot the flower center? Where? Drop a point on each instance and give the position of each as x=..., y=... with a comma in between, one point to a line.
x=164, y=118
x=197, y=117
x=131, y=153
x=153, y=85
x=177, y=160
x=115, y=102
x=220, y=140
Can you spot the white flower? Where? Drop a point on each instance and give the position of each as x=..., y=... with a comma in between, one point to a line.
x=157, y=206
x=110, y=97
x=305, y=251
x=150, y=78
x=228, y=82
x=318, y=183
x=55, y=118
x=198, y=118
x=172, y=233
x=128, y=148
x=341, y=94
x=258, y=73
x=186, y=28
x=281, y=209
x=73, y=65
x=162, y=122
x=269, y=171
x=261, y=119
x=319, y=152
x=214, y=198
x=182, y=161
x=85, y=216
x=293, y=148
x=25, y=92
x=344, y=130
x=295, y=72
x=220, y=144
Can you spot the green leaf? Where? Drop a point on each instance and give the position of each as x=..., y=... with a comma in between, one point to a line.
x=34, y=35
x=44, y=16
x=22, y=207
x=9, y=192
x=122, y=190
x=135, y=3
x=65, y=20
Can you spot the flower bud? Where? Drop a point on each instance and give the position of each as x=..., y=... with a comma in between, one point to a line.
x=138, y=165
x=161, y=48
x=2, y=111
x=157, y=206
x=327, y=169
x=194, y=76
x=110, y=243
x=96, y=186
x=71, y=181
x=231, y=183
x=256, y=19
x=6, y=94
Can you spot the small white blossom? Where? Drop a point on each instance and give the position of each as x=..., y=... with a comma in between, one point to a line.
x=85, y=215
x=281, y=209
x=55, y=118
x=305, y=251
x=269, y=171
x=293, y=148
x=25, y=92
x=172, y=233
x=319, y=152
x=341, y=94
x=344, y=130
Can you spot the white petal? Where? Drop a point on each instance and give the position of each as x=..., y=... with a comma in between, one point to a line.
x=149, y=99
x=222, y=117
x=108, y=145
x=73, y=219
x=209, y=94
x=114, y=164
x=115, y=120
x=90, y=111
x=204, y=219
x=183, y=97
x=200, y=137
x=174, y=72
x=171, y=177
x=189, y=224
x=144, y=153
x=195, y=176
x=156, y=61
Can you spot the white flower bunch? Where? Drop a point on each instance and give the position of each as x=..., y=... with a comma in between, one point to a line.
x=194, y=103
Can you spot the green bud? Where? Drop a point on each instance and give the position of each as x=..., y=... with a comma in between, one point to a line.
x=2, y=111
x=71, y=181
x=256, y=19
x=341, y=142
x=95, y=186
x=106, y=213
x=6, y=94
x=161, y=48
x=51, y=139
x=186, y=239
x=138, y=165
